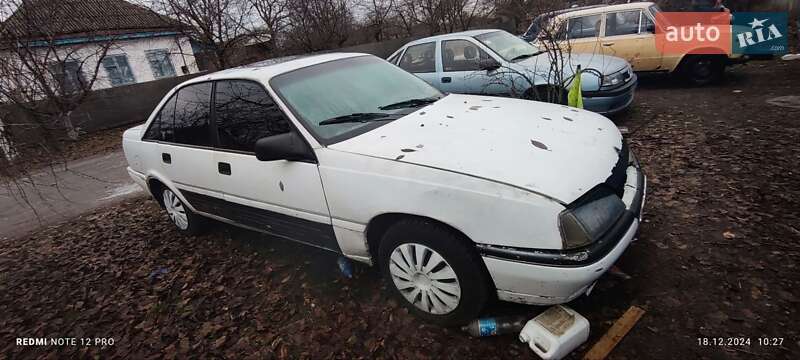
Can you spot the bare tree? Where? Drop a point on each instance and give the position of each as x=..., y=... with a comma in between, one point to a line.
x=548, y=76
x=378, y=16
x=437, y=16
x=316, y=25
x=274, y=16
x=220, y=27
x=42, y=81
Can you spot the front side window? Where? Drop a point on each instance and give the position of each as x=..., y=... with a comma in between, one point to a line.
x=419, y=58
x=622, y=23
x=508, y=46
x=363, y=92
x=160, y=63
x=161, y=128
x=462, y=55
x=192, y=115
x=584, y=27
x=118, y=70
x=246, y=113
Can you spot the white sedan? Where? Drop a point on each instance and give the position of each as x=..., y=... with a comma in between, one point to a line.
x=456, y=198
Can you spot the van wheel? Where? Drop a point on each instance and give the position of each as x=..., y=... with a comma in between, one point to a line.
x=184, y=219
x=703, y=70
x=435, y=273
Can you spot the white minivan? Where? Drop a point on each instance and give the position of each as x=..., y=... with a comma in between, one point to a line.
x=456, y=198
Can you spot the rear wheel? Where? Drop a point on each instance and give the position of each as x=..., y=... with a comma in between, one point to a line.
x=435, y=272
x=703, y=70
x=180, y=215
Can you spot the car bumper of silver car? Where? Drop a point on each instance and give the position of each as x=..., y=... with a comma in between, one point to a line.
x=608, y=102
x=545, y=277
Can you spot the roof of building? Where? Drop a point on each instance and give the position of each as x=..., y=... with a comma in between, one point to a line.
x=63, y=18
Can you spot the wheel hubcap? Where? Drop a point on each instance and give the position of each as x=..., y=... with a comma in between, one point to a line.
x=425, y=278
x=175, y=210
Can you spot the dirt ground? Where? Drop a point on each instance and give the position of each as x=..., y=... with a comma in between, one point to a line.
x=717, y=258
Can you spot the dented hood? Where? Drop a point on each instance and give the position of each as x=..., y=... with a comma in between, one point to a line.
x=553, y=150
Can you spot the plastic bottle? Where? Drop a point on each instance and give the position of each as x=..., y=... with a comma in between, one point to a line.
x=497, y=325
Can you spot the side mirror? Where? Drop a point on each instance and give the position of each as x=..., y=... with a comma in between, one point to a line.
x=651, y=28
x=289, y=146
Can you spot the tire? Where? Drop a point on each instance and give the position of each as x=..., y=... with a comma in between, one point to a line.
x=181, y=216
x=449, y=286
x=703, y=70
x=546, y=93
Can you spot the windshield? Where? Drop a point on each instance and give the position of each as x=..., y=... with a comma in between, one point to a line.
x=508, y=46
x=348, y=95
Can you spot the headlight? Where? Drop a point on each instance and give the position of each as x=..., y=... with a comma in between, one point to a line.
x=588, y=222
x=616, y=79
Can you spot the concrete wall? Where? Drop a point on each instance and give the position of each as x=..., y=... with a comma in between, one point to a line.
x=103, y=109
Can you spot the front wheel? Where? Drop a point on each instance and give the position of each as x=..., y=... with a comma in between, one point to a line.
x=435, y=272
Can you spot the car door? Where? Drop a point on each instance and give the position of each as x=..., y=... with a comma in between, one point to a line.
x=185, y=146
x=420, y=60
x=460, y=70
x=281, y=197
x=630, y=35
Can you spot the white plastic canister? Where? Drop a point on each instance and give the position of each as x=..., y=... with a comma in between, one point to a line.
x=554, y=333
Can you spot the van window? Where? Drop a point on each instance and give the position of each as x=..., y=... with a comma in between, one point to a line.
x=584, y=26
x=623, y=23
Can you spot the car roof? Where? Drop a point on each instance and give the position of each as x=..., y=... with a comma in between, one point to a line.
x=265, y=70
x=567, y=10
x=455, y=35
x=601, y=8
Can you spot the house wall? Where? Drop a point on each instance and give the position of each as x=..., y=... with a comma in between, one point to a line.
x=180, y=50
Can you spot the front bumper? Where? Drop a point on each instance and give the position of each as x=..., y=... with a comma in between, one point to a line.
x=546, y=277
x=611, y=101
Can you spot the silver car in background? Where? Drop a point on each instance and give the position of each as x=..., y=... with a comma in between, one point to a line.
x=494, y=62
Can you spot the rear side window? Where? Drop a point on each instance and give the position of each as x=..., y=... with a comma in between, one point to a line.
x=584, y=27
x=419, y=58
x=622, y=23
x=246, y=113
x=192, y=115
x=161, y=128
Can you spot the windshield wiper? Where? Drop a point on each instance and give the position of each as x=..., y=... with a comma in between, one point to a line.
x=358, y=117
x=410, y=103
x=525, y=56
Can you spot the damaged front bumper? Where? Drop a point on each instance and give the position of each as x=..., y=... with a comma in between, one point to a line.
x=546, y=277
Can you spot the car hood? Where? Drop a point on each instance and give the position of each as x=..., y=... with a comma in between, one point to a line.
x=604, y=63
x=553, y=150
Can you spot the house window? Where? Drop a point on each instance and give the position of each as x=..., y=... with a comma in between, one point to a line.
x=118, y=69
x=160, y=63
x=68, y=76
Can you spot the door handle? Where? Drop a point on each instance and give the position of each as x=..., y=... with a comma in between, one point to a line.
x=447, y=79
x=166, y=158
x=608, y=44
x=224, y=168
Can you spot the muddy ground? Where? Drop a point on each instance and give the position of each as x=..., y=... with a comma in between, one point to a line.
x=717, y=258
